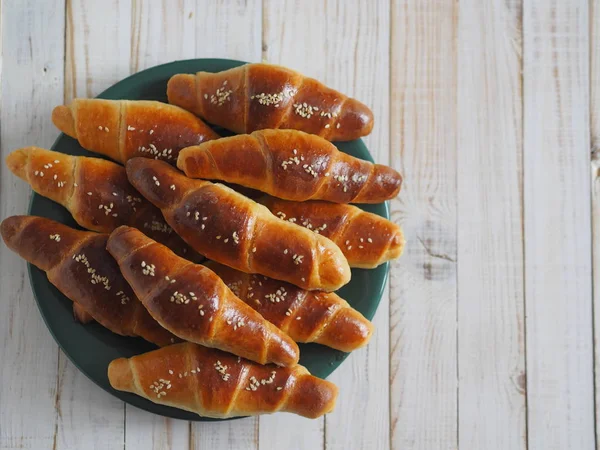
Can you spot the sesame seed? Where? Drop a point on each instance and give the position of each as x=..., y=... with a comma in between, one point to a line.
x=130, y=128
x=285, y=252
x=100, y=127
x=347, y=242
x=298, y=318
x=56, y=161
x=151, y=131
x=254, y=250
x=41, y=174
x=89, y=193
x=327, y=126
x=172, y=187
x=279, y=388
x=349, y=247
x=370, y=240
x=226, y=240
x=219, y=237
x=106, y=129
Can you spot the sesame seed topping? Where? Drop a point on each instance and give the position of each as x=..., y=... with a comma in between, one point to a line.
x=279, y=388
x=370, y=240
x=56, y=161
x=55, y=176
x=106, y=129
x=130, y=128
x=327, y=126
x=156, y=182
x=253, y=249
x=148, y=269
x=338, y=125
x=89, y=193
x=100, y=127
x=285, y=252
x=94, y=277
x=172, y=187
x=55, y=237
x=151, y=131
x=219, y=237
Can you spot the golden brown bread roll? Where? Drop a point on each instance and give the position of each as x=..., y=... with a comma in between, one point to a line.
x=231, y=229
x=213, y=383
x=78, y=264
x=367, y=240
x=258, y=96
x=122, y=129
x=95, y=191
x=193, y=303
x=81, y=315
x=292, y=165
x=306, y=316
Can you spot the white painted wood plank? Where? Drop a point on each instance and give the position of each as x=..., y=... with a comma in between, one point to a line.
x=162, y=32
x=491, y=340
x=595, y=143
x=98, y=46
x=227, y=30
x=423, y=348
x=560, y=393
x=32, y=83
x=97, y=55
x=344, y=44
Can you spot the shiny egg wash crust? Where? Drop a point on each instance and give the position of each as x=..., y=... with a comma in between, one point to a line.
x=267, y=98
x=224, y=371
x=284, y=305
x=230, y=231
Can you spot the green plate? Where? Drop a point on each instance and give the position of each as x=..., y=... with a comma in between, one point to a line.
x=91, y=347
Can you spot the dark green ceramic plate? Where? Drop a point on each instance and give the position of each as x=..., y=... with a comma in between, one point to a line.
x=91, y=348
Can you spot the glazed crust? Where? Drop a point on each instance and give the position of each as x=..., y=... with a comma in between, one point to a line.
x=78, y=264
x=259, y=96
x=95, y=191
x=123, y=129
x=367, y=240
x=193, y=303
x=231, y=229
x=213, y=383
x=306, y=316
x=291, y=165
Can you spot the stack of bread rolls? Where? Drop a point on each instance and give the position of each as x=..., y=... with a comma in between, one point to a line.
x=227, y=329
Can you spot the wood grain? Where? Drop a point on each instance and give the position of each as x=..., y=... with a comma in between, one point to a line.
x=423, y=281
x=595, y=179
x=32, y=83
x=227, y=30
x=560, y=392
x=491, y=340
x=345, y=45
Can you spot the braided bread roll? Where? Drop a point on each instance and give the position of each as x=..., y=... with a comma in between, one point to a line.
x=95, y=191
x=367, y=240
x=193, y=303
x=123, y=129
x=212, y=383
x=306, y=316
x=78, y=264
x=231, y=229
x=258, y=96
x=292, y=165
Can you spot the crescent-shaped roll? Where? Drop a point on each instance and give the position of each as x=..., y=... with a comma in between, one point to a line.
x=291, y=165
x=213, y=383
x=367, y=240
x=306, y=316
x=123, y=129
x=258, y=96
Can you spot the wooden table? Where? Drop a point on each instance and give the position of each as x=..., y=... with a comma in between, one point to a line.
x=489, y=108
